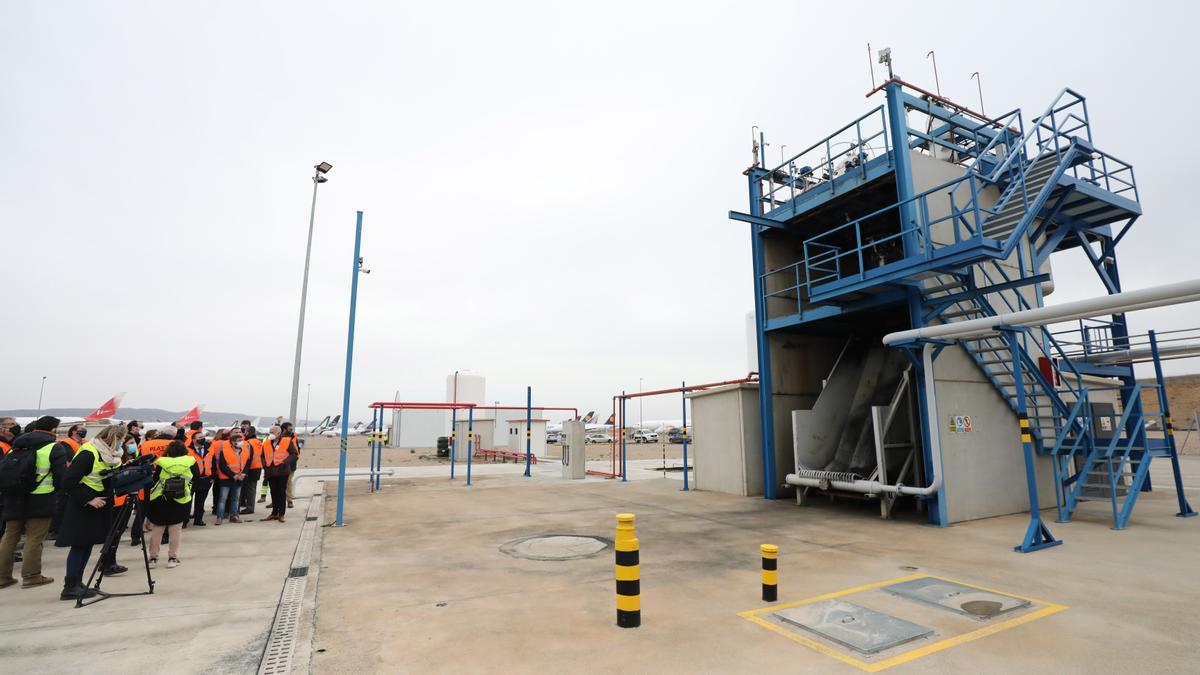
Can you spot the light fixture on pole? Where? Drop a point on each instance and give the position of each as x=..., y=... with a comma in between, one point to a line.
x=318, y=178
x=41, y=391
x=937, y=85
x=979, y=83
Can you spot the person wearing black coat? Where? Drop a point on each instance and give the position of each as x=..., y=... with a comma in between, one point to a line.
x=89, y=514
x=31, y=513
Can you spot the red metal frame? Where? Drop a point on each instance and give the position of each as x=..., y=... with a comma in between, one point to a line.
x=619, y=424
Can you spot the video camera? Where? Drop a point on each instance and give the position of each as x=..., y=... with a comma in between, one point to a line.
x=133, y=477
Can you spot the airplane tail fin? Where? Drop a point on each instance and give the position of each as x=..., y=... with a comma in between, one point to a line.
x=590, y=417
x=610, y=420
x=190, y=416
x=107, y=409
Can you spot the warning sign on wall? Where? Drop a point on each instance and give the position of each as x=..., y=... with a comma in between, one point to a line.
x=960, y=424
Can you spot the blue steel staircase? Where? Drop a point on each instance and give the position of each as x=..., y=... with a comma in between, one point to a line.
x=974, y=247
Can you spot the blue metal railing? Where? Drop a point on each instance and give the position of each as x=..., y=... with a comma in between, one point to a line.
x=850, y=250
x=844, y=152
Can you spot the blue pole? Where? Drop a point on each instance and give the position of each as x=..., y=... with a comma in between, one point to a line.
x=624, y=477
x=371, y=447
x=683, y=396
x=349, y=368
x=379, y=446
x=453, y=426
x=470, y=440
x=528, y=426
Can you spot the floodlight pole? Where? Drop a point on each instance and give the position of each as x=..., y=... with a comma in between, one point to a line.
x=41, y=391
x=349, y=368
x=317, y=179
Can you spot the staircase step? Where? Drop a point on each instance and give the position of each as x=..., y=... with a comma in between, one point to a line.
x=961, y=312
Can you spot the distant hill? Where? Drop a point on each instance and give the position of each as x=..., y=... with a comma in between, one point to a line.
x=144, y=415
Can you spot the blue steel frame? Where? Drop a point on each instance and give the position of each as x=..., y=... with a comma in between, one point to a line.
x=683, y=399
x=339, y=522
x=528, y=427
x=1081, y=194
x=1037, y=535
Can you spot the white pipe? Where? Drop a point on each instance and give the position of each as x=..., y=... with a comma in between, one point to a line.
x=1140, y=353
x=1146, y=298
x=321, y=473
x=935, y=449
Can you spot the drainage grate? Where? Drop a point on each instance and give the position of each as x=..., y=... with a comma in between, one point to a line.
x=281, y=644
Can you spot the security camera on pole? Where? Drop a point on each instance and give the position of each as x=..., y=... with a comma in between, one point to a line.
x=318, y=178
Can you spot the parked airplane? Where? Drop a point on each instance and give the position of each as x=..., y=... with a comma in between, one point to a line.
x=104, y=412
x=320, y=427
x=585, y=419
x=607, y=426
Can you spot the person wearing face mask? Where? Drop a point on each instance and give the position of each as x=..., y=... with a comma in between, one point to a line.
x=89, y=513
x=253, y=470
x=229, y=464
x=279, y=453
x=70, y=445
x=203, y=480
x=133, y=441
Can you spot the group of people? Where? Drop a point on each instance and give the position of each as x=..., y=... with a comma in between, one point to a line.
x=64, y=490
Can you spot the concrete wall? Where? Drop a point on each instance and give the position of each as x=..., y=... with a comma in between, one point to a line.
x=484, y=429
x=984, y=470
x=537, y=437
x=727, y=445
x=417, y=428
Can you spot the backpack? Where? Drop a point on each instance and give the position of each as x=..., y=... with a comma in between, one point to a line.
x=174, y=487
x=18, y=472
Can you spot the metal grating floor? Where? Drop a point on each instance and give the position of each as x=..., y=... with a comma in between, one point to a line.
x=281, y=644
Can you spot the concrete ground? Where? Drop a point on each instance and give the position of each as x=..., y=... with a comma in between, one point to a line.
x=212, y=614
x=417, y=582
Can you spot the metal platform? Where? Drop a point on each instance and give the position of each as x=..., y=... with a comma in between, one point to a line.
x=863, y=630
x=960, y=599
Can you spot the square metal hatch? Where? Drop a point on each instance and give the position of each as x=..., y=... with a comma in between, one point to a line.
x=861, y=629
x=958, y=598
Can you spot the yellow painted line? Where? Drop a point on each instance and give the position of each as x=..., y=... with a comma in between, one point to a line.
x=828, y=596
x=1047, y=609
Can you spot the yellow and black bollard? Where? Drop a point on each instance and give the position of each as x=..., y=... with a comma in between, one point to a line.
x=629, y=590
x=770, y=572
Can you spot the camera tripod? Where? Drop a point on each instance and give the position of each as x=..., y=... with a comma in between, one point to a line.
x=108, y=552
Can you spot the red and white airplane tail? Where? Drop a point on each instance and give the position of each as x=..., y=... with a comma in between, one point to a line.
x=107, y=410
x=190, y=416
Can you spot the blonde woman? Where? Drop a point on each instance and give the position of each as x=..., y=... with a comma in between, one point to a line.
x=89, y=511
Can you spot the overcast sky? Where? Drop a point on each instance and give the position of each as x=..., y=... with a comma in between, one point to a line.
x=545, y=185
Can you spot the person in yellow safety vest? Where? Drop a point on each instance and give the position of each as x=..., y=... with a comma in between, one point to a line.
x=30, y=513
x=89, y=513
x=171, y=499
x=230, y=466
x=279, y=454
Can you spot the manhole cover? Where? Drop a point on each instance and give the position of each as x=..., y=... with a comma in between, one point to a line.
x=555, y=547
x=985, y=608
